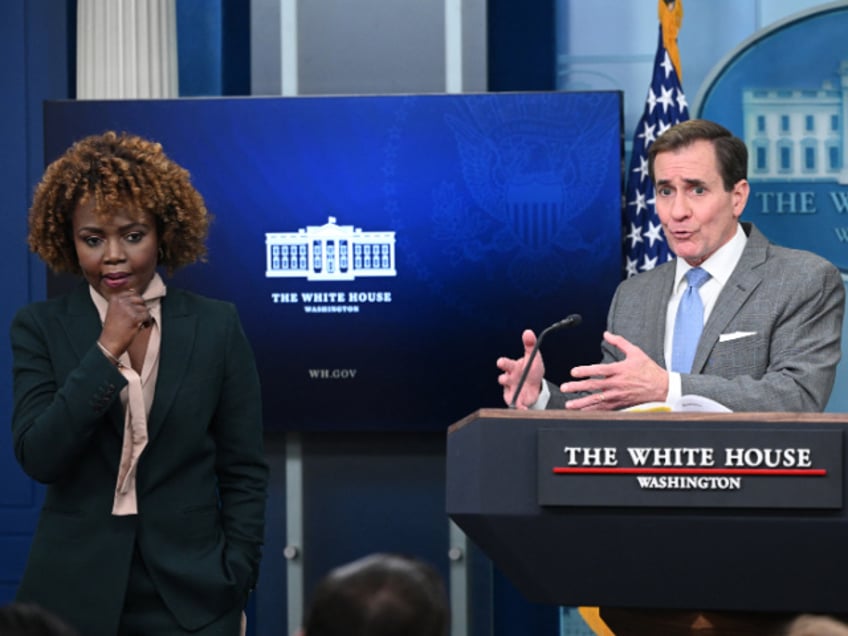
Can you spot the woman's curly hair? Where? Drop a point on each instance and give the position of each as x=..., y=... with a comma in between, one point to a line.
x=118, y=170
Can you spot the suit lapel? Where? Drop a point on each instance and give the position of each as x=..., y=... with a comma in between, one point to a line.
x=81, y=323
x=741, y=284
x=178, y=333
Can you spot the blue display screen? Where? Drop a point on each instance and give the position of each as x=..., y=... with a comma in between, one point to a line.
x=383, y=251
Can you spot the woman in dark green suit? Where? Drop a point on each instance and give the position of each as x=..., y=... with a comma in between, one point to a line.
x=138, y=405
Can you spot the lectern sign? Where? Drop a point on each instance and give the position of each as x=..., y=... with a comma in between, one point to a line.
x=721, y=467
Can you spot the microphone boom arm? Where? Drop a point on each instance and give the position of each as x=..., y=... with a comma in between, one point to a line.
x=570, y=321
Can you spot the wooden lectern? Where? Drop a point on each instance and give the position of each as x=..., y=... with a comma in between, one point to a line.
x=739, y=528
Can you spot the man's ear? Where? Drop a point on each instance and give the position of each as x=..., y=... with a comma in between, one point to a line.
x=740, y=194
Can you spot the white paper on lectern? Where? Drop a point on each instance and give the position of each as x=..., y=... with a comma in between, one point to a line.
x=685, y=403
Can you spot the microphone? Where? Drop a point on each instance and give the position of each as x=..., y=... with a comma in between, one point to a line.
x=569, y=321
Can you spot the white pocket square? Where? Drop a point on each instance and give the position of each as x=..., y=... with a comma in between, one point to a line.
x=735, y=335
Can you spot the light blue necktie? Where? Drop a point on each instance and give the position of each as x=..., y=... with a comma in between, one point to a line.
x=689, y=322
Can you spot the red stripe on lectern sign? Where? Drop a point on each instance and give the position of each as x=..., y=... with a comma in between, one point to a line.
x=774, y=472
x=713, y=467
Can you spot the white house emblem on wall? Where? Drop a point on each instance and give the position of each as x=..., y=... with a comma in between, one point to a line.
x=329, y=252
x=798, y=134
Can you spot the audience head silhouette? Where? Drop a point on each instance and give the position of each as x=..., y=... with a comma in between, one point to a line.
x=815, y=625
x=379, y=595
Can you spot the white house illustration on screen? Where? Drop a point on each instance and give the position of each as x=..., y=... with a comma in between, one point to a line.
x=798, y=134
x=330, y=252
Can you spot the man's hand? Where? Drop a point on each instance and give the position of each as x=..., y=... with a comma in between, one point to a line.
x=512, y=370
x=617, y=385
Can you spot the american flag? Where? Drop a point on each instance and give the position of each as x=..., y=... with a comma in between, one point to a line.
x=644, y=243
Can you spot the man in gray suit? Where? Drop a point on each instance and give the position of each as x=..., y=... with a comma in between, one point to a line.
x=772, y=316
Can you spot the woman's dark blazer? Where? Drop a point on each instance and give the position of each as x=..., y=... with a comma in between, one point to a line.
x=202, y=478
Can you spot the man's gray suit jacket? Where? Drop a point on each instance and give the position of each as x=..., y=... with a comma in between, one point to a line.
x=771, y=343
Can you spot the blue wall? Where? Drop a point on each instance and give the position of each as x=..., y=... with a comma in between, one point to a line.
x=522, y=45
x=33, y=46
x=213, y=47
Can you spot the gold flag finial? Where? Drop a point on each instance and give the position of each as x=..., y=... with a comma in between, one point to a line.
x=671, y=17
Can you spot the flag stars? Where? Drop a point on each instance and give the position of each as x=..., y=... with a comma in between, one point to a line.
x=666, y=65
x=635, y=235
x=639, y=202
x=666, y=98
x=648, y=134
x=654, y=233
x=642, y=170
x=682, y=104
x=645, y=244
x=649, y=264
x=651, y=100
